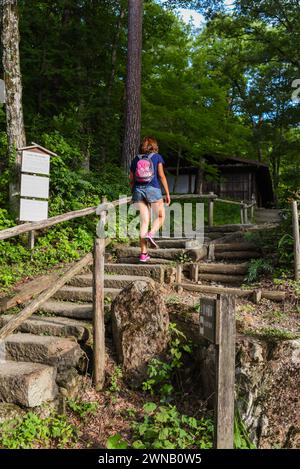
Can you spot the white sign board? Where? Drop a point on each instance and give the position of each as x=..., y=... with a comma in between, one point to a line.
x=34, y=186
x=36, y=163
x=33, y=210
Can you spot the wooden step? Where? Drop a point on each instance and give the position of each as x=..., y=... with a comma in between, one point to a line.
x=223, y=279
x=236, y=247
x=27, y=384
x=54, y=326
x=220, y=268
x=237, y=255
x=225, y=228
x=48, y=350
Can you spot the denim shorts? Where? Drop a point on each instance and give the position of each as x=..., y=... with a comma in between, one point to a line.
x=147, y=194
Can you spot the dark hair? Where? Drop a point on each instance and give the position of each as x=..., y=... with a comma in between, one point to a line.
x=149, y=145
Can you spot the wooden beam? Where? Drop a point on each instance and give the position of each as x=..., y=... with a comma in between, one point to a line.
x=12, y=325
x=98, y=323
x=268, y=294
x=225, y=374
x=211, y=210
x=39, y=225
x=25, y=292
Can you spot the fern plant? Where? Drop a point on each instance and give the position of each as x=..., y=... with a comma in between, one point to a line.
x=257, y=268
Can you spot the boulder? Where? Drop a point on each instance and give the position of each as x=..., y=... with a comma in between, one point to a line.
x=140, y=324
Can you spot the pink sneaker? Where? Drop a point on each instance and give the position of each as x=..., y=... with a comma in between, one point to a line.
x=144, y=257
x=149, y=238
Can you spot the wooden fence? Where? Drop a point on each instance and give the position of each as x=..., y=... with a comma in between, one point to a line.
x=97, y=258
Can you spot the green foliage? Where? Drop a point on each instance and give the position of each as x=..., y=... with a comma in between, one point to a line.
x=257, y=268
x=241, y=437
x=116, y=442
x=163, y=427
x=83, y=409
x=161, y=372
x=33, y=431
x=273, y=333
x=114, y=386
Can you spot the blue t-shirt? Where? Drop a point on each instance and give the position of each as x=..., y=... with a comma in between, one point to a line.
x=156, y=158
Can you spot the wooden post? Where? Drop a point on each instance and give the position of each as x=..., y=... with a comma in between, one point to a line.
x=242, y=213
x=211, y=210
x=211, y=252
x=194, y=272
x=295, y=217
x=257, y=296
x=31, y=242
x=245, y=208
x=98, y=299
x=253, y=201
x=225, y=373
x=179, y=278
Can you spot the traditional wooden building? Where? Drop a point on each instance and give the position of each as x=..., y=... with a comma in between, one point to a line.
x=237, y=179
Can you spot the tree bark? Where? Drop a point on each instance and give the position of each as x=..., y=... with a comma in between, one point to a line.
x=13, y=84
x=133, y=83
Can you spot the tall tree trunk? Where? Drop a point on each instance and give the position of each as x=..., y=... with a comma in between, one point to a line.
x=13, y=84
x=133, y=83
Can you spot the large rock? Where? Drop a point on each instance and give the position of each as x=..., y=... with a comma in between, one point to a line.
x=140, y=328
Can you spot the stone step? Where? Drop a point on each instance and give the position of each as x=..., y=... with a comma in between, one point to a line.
x=55, y=326
x=237, y=255
x=110, y=281
x=68, y=309
x=84, y=294
x=48, y=350
x=226, y=269
x=145, y=270
x=27, y=384
x=169, y=253
x=153, y=261
x=177, y=243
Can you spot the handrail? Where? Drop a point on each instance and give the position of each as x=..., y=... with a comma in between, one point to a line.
x=33, y=226
x=38, y=225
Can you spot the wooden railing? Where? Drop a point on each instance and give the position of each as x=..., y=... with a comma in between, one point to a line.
x=246, y=208
x=97, y=258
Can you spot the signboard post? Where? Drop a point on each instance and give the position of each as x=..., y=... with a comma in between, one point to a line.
x=34, y=192
x=217, y=324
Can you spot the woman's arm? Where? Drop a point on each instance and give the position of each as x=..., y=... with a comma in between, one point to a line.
x=163, y=179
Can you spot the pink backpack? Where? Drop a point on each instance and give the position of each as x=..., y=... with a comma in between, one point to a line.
x=144, y=172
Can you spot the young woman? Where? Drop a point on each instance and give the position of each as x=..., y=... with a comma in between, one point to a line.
x=146, y=176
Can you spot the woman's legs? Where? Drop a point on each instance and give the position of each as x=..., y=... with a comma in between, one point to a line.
x=159, y=216
x=144, y=224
